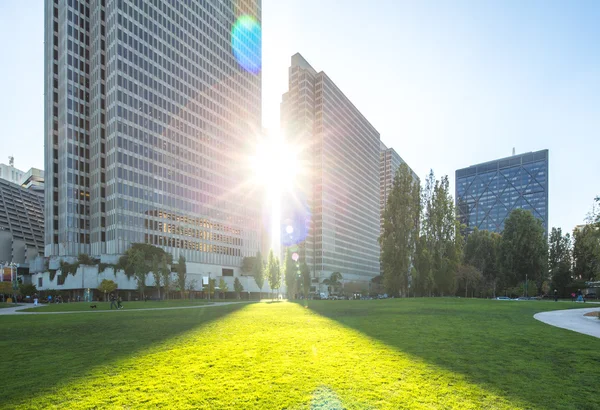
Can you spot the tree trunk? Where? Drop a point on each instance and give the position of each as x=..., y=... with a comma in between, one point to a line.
x=466, y=292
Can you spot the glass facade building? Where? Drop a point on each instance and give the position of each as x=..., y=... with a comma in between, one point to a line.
x=487, y=193
x=337, y=198
x=148, y=114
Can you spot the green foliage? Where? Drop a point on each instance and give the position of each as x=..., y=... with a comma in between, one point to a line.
x=107, y=286
x=210, y=288
x=181, y=274
x=84, y=259
x=237, y=287
x=223, y=287
x=468, y=277
x=165, y=274
x=524, y=249
x=52, y=274
x=273, y=271
x=258, y=272
x=138, y=261
x=560, y=260
x=305, y=279
x=334, y=282
x=586, y=252
x=27, y=289
x=248, y=263
x=68, y=268
x=400, y=231
x=482, y=250
x=103, y=266
x=290, y=275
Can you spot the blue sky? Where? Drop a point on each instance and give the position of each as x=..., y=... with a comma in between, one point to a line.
x=447, y=83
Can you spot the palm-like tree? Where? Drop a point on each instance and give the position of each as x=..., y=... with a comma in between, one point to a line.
x=334, y=281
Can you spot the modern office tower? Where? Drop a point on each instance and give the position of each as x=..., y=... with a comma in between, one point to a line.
x=487, y=193
x=389, y=162
x=150, y=107
x=338, y=192
x=21, y=223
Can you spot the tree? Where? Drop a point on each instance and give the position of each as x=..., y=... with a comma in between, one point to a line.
x=468, y=276
x=333, y=282
x=27, y=289
x=559, y=260
x=156, y=274
x=258, y=273
x=423, y=278
x=181, y=274
x=586, y=253
x=237, y=287
x=223, y=287
x=140, y=270
x=290, y=275
x=210, y=287
x=191, y=287
x=481, y=251
x=442, y=234
x=137, y=261
x=400, y=231
x=305, y=276
x=165, y=274
x=273, y=271
x=107, y=286
x=524, y=249
x=248, y=264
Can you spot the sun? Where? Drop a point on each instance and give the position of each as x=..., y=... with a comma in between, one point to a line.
x=275, y=165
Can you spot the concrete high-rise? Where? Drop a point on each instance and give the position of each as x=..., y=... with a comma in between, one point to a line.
x=338, y=194
x=149, y=107
x=486, y=193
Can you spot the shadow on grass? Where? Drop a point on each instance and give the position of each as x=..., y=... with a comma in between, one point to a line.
x=493, y=344
x=69, y=347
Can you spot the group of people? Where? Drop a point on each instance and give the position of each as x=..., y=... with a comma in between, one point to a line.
x=116, y=302
x=575, y=297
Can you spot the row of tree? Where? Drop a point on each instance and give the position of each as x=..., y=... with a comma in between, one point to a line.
x=423, y=251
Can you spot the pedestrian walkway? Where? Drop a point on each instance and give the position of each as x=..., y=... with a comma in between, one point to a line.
x=572, y=319
x=17, y=310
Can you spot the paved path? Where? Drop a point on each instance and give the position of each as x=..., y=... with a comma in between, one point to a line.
x=572, y=319
x=17, y=310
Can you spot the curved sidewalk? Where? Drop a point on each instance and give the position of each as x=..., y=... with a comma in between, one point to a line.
x=17, y=310
x=572, y=319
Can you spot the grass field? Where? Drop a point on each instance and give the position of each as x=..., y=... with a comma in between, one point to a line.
x=6, y=305
x=85, y=306
x=410, y=354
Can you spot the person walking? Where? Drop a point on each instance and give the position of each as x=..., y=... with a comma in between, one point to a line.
x=119, y=305
x=113, y=302
x=555, y=295
x=35, y=299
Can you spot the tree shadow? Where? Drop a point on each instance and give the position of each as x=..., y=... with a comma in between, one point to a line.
x=69, y=347
x=496, y=345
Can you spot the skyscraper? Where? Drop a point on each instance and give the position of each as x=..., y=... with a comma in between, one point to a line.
x=338, y=196
x=149, y=109
x=486, y=193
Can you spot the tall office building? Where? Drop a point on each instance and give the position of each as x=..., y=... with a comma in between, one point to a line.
x=338, y=192
x=149, y=109
x=389, y=162
x=487, y=193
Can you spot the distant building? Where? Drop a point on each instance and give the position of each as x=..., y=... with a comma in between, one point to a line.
x=338, y=197
x=10, y=173
x=33, y=180
x=21, y=223
x=487, y=193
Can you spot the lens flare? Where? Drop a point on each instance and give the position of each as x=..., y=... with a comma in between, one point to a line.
x=295, y=257
x=246, y=43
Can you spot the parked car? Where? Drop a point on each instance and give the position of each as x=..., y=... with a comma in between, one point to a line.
x=591, y=295
x=503, y=298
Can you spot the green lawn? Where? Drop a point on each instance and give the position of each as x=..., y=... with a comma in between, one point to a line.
x=411, y=354
x=85, y=306
x=6, y=305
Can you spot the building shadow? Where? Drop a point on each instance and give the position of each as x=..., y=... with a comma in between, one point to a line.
x=496, y=345
x=44, y=352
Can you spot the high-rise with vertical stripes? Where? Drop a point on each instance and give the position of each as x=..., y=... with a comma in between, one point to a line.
x=340, y=192
x=149, y=108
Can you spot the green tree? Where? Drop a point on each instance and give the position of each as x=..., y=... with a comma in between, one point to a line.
x=248, y=263
x=469, y=277
x=223, y=287
x=181, y=275
x=165, y=275
x=482, y=251
x=586, y=253
x=423, y=277
x=560, y=260
x=334, y=282
x=290, y=275
x=210, y=287
x=238, y=287
x=400, y=231
x=524, y=249
x=442, y=232
x=140, y=268
x=305, y=275
x=258, y=273
x=28, y=289
x=156, y=274
x=191, y=287
x=107, y=286
x=273, y=271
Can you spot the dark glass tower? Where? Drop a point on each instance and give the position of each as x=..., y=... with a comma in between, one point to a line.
x=486, y=193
